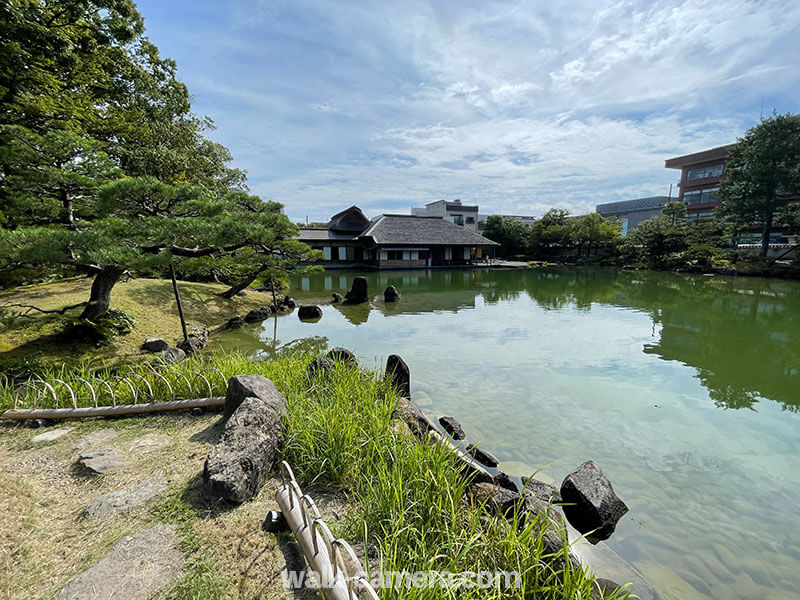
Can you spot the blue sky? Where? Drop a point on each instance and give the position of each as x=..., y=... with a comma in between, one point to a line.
x=515, y=106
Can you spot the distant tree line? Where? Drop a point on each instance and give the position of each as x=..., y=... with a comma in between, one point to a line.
x=761, y=190
x=104, y=168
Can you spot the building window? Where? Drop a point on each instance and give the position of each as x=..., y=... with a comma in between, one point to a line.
x=704, y=172
x=342, y=253
x=470, y=221
x=395, y=255
x=458, y=219
x=700, y=196
x=448, y=253
x=326, y=251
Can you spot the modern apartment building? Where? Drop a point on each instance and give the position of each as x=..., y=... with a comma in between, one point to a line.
x=453, y=211
x=701, y=174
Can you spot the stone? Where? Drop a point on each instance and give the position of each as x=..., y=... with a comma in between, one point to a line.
x=590, y=501
x=482, y=456
x=101, y=461
x=493, y=497
x=288, y=302
x=504, y=481
x=51, y=436
x=249, y=386
x=135, y=567
x=344, y=355
x=320, y=367
x=191, y=344
x=238, y=465
x=154, y=344
x=309, y=312
x=390, y=294
x=358, y=292
x=257, y=315
x=170, y=356
x=95, y=438
x=337, y=298
x=453, y=427
x=234, y=322
x=121, y=500
x=604, y=588
x=397, y=371
x=149, y=442
x=421, y=399
x=413, y=417
x=541, y=490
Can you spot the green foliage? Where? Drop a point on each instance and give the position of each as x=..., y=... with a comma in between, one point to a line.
x=675, y=212
x=550, y=234
x=763, y=174
x=593, y=231
x=101, y=330
x=510, y=234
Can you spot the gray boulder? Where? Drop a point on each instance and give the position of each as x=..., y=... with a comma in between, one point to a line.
x=390, y=294
x=239, y=463
x=154, y=344
x=102, y=460
x=358, y=292
x=482, y=456
x=398, y=373
x=171, y=356
x=320, y=367
x=337, y=298
x=590, y=501
x=344, y=355
x=309, y=312
x=453, y=427
x=493, y=497
x=541, y=490
x=257, y=315
x=504, y=481
x=249, y=386
x=234, y=322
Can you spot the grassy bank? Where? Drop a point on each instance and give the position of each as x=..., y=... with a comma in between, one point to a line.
x=403, y=500
x=150, y=302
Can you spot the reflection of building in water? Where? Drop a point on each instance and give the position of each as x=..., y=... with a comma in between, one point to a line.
x=395, y=241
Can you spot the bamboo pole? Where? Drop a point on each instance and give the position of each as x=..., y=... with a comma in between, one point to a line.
x=23, y=414
x=178, y=300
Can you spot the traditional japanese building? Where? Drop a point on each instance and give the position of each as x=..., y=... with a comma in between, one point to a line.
x=396, y=241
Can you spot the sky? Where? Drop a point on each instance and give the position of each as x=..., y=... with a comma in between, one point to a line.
x=517, y=107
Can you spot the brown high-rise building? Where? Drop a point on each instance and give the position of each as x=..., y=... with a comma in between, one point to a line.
x=701, y=174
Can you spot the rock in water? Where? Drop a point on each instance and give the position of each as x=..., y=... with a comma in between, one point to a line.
x=390, y=294
x=397, y=371
x=154, y=344
x=344, y=355
x=249, y=386
x=238, y=465
x=482, y=456
x=358, y=292
x=135, y=567
x=453, y=427
x=336, y=298
x=591, y=504
x=257, y=314
x=309, y=312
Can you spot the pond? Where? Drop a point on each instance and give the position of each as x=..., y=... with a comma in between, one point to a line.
x=685, y=389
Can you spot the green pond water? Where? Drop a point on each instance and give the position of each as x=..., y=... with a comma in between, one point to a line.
x=685, y=389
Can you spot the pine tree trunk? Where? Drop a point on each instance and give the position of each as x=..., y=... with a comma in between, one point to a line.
x=68, y=217
x=767, y=229
x=235, y=289
x=100, y=295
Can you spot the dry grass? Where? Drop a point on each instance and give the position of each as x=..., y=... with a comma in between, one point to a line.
x=149, y=301
x=47, y=540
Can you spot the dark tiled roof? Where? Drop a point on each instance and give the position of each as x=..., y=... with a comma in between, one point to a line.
x=611, y=208
x=350, y=220
x=423, y=231
x=310, y=234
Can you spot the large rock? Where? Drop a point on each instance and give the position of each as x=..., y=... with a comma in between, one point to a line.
x=170, y=356
x=482, y=456
x=358, y=292
x=344, y=355
x=192, y=344
x=398, y=373
x=413, y=417
x=505, y=481
x=126, y=498
x=257, y=315
x=590, y=501
x=390, y=294
x=541, y=490
x=154, y=344
x=238, y=465
x=135, y=567
x=336, y=298
x=309, y=312
x=320, y=367
x=249, y=386
x=288, y=302
x=453, y=427
x=493, y=497
x=234, y=322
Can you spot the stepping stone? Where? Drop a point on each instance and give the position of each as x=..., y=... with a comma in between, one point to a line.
x=135, y=567
x=125, y=499
x=52, y=435
x=95, y=438
x=149, y=442
x=102, y=460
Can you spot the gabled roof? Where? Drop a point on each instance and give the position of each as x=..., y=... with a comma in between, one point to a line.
x=424, y=231
x=350, y=220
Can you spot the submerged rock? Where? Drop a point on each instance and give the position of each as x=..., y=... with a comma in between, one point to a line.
x=390, y=294
x=482, y=456
x=590, y=501
x=336, y=298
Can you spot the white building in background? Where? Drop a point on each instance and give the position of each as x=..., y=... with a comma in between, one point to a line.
x=453, y=211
